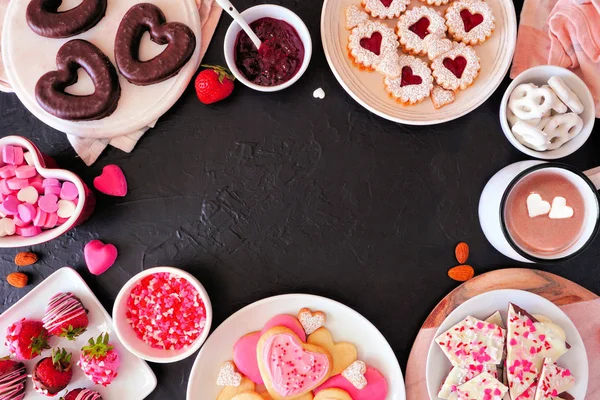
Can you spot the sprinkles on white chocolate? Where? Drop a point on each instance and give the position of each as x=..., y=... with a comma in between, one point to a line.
x=355, y=16
x=446, y=78
x=364, y=57
x=379, y=10
x=410, y=93
x=410, y=41
x=436, y=44
x=456, y=25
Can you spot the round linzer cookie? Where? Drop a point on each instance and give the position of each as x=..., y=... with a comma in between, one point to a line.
x=416, y=25
x=414, y=83
x=470, y=22
x=385, y=8
x=457, y=68
x=369, y=42
x=436, y=2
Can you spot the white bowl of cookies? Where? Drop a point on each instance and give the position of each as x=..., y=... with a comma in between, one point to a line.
x=547, y=112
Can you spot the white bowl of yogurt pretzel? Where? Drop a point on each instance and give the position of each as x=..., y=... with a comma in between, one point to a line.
x=547, y=112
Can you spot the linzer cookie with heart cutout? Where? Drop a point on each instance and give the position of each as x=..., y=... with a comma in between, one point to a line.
x=415, y=25
x=179, y=38
x=470, y=22
x=385, y=8
x=370, y=42
x=457, y=68
x=45, y=20
x=413, y=85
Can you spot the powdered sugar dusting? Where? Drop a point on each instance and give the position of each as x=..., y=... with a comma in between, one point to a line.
x=456, y=25
x=409, y=39
x=441, y=97
x=410, y=94
x=166, y=311
x=390, y=65
x=389, y=42
x=436, y=44
x=436, y=2
x=445, y=78
x=378, y=10
x=311, y=321
x=355, y=374
x=228, y=375
x=355, y=16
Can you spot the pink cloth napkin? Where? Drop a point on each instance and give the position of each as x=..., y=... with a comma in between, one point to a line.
x=564, y=33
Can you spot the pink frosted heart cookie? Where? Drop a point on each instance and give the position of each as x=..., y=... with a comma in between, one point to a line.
x=376, y=389
x=385, y=8
x=414, y=83
x=288, y=321
x=470, y=22
x=290, y=368
x=369, y=42
x=414, y=26
x=457, y=68
x=355, y=16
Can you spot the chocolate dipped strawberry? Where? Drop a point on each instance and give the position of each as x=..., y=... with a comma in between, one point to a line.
x=26, y=339
x=12, y=379
x=99, y=360
x=52, y=374
x=82, y=394
x=65, y=316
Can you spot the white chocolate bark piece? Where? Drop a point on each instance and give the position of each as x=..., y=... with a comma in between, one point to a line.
x=459, y=376
x=528, y=342
x=554, y=380
x=496, y=319
x=473, y=342
x=483, y=387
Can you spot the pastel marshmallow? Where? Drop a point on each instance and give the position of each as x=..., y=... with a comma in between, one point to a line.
x=7, y=227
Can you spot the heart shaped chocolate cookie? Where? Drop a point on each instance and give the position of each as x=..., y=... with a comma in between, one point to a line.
x=44, y=18
x=179, y=38
x=50, y=88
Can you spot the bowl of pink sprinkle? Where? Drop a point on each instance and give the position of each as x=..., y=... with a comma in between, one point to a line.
x=162, y=315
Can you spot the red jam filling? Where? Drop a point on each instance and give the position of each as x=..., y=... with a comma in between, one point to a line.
x=386, y=3
x=456, y=66
x=373, y=44
x=420, y=27
x=279, y=58
x=470, y=20
x=408, y=78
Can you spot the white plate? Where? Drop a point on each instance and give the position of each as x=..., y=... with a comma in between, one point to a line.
x=367, y=87
x=486, y=304
x=135, y=381
x=344, y=323
x=139, y=106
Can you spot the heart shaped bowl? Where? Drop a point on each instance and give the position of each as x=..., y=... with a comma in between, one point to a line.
x=45, y=166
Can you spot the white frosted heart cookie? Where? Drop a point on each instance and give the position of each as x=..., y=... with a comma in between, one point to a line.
x=414, y=83
x=415, y=25
x=457, y=68
x=470, y=22
x=385, y=9
x=369, y=42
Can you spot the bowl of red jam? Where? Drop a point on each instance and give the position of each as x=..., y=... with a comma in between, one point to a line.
x=283, y=56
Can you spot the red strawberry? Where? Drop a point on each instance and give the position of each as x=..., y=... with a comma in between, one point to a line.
x=213, y=84
x=99, y=360
x=12, y=379
x=65, y=316
x=82, y=394
x=53, y=374
x=26, y=339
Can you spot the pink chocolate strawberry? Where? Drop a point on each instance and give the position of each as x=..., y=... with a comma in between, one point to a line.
x=52, y=374
x=99, y=360
x=26, y=339
x=65, y=316
x=12, y=379
x=82, y=394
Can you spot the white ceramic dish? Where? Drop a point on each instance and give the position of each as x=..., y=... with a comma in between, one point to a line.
x=63, y=175
x=274, y=11
x=539, y=76
x=135, y=381
x=139, y=106
x=367, y=87
x=127, y=335
x=483, y=306
x=344, y=323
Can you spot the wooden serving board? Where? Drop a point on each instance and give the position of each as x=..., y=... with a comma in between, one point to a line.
x=581, y=305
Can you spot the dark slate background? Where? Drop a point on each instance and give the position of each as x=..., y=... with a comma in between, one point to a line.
x=265, y=194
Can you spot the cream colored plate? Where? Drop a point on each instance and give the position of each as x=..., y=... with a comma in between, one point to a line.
x=367, y=87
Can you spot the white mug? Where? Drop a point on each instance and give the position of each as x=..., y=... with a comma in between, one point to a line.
x=495, y=193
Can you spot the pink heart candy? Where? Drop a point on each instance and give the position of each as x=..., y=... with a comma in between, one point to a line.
x=112, y=181
x=376, y=389
x=11, y=204
x=69, y=191
x=48, y=203
x=99, y=257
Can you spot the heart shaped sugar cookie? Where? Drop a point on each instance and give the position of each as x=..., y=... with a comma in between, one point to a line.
x=307, y=396
x=229, y=392
x=228, y=375
x=290, y=368
x=355, y=374
x=311, y=321
x=44, y=18
x=248, y=396
x=179, y=38
x=376, y=389
x=343, y=353
x=333, y=394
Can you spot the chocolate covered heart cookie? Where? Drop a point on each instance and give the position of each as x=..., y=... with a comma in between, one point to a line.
x=179, y=38
x=45, y=20
x=50, y=88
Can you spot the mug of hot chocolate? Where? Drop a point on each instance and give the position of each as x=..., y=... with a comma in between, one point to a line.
x=540, y=212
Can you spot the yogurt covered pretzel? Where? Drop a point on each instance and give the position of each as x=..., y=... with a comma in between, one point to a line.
x=566, y=94
x=527, y=101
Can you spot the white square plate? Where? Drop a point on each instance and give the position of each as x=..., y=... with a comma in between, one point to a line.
x=135, y=381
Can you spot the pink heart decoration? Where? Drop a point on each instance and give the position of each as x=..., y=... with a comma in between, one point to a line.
x=244, y=351
x=112, y=181
x=99, y=257
x=376, y=389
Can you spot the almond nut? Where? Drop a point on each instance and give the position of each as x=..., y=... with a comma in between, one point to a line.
x=462, y=252
x=17, y=279
x=23, y=259
x=461, y=273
